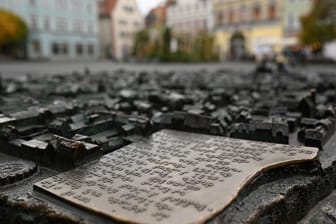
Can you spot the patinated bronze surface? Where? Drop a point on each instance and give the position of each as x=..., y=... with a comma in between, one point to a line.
x=173, y=177
x=13, y=170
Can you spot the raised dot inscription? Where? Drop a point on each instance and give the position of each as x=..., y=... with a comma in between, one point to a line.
x=172, y=177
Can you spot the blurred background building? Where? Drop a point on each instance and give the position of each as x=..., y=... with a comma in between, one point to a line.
x=293, y=11
x=186, y=36
x=119, y=21
x=174, y=30
x=58, y=29
x=152, y=42
x=157, y=16
x=191, y=23
x=190, y=16
x=249, y=28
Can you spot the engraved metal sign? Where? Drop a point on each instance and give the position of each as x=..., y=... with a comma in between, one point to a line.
x=173, y=177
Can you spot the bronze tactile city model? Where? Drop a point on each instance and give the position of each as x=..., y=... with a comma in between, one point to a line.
x=167, y=147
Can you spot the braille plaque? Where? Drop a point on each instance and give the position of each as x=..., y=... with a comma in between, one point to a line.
x=173, y=177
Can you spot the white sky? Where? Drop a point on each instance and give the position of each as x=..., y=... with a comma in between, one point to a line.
x=146, y=5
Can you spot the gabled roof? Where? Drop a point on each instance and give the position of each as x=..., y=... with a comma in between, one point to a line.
x=106, y=7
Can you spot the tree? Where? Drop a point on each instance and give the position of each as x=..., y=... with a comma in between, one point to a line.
x=205, y=47
x=319, y=26
x=13, y=29
x=191, y=48
x=166, y=38
x=141, y=44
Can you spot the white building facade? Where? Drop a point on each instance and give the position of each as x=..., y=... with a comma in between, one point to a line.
x=190, y=16
x=293, y=11
x=58, y=29
x=120, y=21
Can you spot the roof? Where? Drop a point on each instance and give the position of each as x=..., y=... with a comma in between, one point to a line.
x=106, y=6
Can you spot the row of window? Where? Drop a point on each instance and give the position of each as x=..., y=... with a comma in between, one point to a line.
x=247, y=14
x=128, y=8
x=61, y=24
x=63, y=48
x=125, y=23
x=80, y=49
x=64, y=4
x=190, y=26
x=127, y=34
x=293, y=21
x=186, y=8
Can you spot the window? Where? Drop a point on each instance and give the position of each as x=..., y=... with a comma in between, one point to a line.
x=90, y=28
x=123, y=22
x=231, y=16
x=91, y=49
x=79, y=49
x=47, y=24
x=61, y=24
x=272, y=11
x=220, y=18
x=123, y=34
x=62, y=4
x=36, y=46
x=34, y=22
x=78, y=26
x=257, y=12
x=64, y=48
x=243, y=12
x=290, y=21
x=128, y=9
x=54, y=48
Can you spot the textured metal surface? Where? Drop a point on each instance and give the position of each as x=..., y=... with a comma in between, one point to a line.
x=173, y=177
x=13, y=171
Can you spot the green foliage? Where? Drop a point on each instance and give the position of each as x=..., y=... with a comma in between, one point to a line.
x=319, y=26
x=13, y=29
x=167, y=38
x=204, y=47
x=141, y=39
x=191, y=49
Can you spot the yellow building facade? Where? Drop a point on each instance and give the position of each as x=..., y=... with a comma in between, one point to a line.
x=245, y=28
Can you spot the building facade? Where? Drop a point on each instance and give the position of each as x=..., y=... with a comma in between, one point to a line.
x=120, y=20
x=58, y=29
x=190, y=16
x=105, y=8
x=293, y=11
x=157, y=16
x=246, y=28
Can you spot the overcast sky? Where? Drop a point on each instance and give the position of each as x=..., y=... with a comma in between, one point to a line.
x=146, y=5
